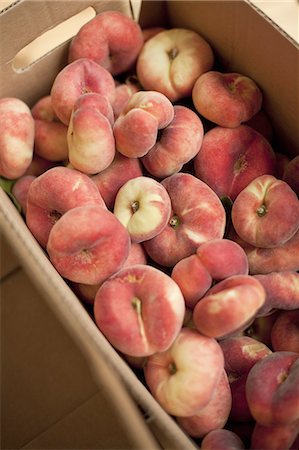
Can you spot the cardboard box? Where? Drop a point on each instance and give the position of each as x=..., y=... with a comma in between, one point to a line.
x=244, y=40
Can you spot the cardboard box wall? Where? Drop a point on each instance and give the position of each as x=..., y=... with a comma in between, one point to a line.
x=243, y=40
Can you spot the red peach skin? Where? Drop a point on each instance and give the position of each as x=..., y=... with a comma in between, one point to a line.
x=266, y=212
x=228, y=306
x=183, y=378
x=227, y=99
x=53, y=193
x=230, y=158
x=16, y=137
x=178, y=144
x=275, y=437
x=291, y=174
x=140, y=310
x=111, y=39
x=212, y=416
x=272, y=389
x=222, y=439
x=285, y=331
x=197, y=217
x=43, y=109
x=136, y=128
x=282, y=291
x=110, y=180
x=78, y=78
x=20, y=190
x=50, y=140
x=88, y=244
x=123, y=93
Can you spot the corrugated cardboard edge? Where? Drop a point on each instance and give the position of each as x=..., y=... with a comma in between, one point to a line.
x=81, y=327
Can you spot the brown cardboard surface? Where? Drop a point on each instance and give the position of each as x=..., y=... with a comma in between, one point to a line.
x=53, y=346
x=8, y=259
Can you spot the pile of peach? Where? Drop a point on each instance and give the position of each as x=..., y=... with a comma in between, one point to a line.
x=151, y=181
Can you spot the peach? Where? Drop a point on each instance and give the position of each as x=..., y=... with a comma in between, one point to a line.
x=143, y=206
x=258, y=210
x=91, y=146
x=240, y=354
x=228, y=306
x=282, y=291
x=123, y=93
x=88, y=244
x=285, y=331
x=230, y=158
x=50, y=140
x=177, y=144
x=136, y=128
x=43, y=109
x=272, y=389
x=183, y=378
x=78, y=78
x=197, y=216
x=150, y=32
x=261, y=123
x=140, y=310
x=215, y=260
x=291, y=174
x=222, y=439
x=172, y=60
x=265, y=260
x=53, y=193
x=16, y=137
x=111, y=179
x=260, y=328
x=275, y=437
x=282, y=161
x=20, y=190
x=214, y=415
x=111, y=39
x=226, y=99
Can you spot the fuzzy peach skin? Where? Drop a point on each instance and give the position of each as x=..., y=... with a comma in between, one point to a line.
x=53, y=193
x=123, y=93
x=261, y=122
x=140, y=310
x=88, y=244
x=260, y=328
x=111, y=39
x=284, y=437
x=16, y=137
x=228, y=306
x=291, y=174
x=230, y=158
x=91, y=145
x=222, y=439
x=282, y=291
x=172, y=60
x=143, y=206
x=214, y=415
x=265, y=260
x=136, y=128
x=42, y=109
x=78, y=78
x=96, y=101
x=272, y=389
x=215, y=260
x=266, y=212
x=183, y=379
x=50, y=140
x=20, y=190
x=240, y=354
x=226, y=99
x=177, y=144
x=111, y=179
x=87, y=292
x=285, y=331
x=197, y=216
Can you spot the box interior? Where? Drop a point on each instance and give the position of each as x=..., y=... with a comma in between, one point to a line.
x=228, y=26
